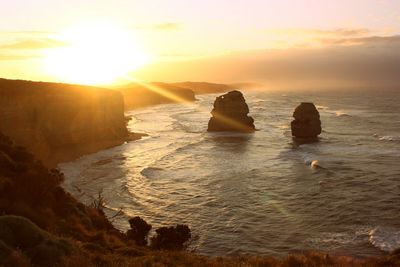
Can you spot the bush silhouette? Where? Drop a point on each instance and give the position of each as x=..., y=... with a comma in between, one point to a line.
x=43, y=248
x=139, y=230
x=171, y=238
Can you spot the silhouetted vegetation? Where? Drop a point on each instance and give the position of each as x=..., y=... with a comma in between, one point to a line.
x=28, y=189
x=139, y=230
x=171, y=238
x=41, y=247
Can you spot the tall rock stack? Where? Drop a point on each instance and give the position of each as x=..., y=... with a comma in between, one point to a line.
x=230, y=114
x=306, y=124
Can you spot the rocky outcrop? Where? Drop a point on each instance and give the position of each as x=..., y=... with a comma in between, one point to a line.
x=59, y=122
x=306, y=123
x=147, y=94
x=230, y=114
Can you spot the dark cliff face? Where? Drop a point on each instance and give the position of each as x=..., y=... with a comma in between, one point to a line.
x=206, y=88
x=58, y=122
x=148, y=94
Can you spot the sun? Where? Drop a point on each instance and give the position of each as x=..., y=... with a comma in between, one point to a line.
x=94, y=54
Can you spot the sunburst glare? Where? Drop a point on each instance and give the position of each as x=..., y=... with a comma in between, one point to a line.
x=96, y=53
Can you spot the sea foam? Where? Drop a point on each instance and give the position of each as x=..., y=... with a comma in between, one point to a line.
x=386, y=239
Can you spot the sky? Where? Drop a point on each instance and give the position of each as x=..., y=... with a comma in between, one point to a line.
x=157, y=39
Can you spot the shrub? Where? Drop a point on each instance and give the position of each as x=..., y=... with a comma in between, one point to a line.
x=139, y=230
x=171, y=238
x=40, y=246
x=15, y=259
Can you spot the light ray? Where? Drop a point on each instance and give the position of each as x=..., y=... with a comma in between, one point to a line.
x=176, y=98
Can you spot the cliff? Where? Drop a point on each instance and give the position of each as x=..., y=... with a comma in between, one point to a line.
x=147, y=94
x=206, y=88
x=58, y=122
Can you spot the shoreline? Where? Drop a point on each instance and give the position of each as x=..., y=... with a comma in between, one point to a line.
x=67, y=154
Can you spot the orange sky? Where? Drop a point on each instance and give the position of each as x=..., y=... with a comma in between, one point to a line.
x=98, y=42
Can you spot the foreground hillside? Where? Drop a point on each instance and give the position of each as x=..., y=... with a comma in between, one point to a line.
x=58, y=122
x=42, y=225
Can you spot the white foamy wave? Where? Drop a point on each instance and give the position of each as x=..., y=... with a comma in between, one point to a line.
x=385, y=239
x=332, y=240
x=338, y=113
x=310, y=161
x=284, y=126
x=258, y=100
x=314, y=164
x=341, y=114
x=389, y=138
x=322, y=107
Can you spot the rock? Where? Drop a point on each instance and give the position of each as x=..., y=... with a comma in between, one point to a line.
x=230, y=114
x=306, y=123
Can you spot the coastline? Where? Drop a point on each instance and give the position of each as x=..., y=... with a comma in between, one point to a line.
x=72, y=153
x=90, y=253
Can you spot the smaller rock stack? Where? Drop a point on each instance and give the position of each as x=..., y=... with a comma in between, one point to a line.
x=230, y=114
x=306, y=124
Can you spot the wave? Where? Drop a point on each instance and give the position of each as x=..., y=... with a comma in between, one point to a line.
x=385, y=239
x=315, y=164
x=389, y=138
x=332, y=241
x=150, y=171
x=310, y=161
x=257, y=101
x=322, y=107
x=342, y=114
x=338, y=113
x=283, y=126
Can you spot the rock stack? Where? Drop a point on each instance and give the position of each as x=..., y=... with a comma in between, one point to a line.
x=230, y=114
x=306, y=124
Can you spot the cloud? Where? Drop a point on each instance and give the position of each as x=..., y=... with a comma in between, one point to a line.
x=33, y=44
x=344, y=32
x=4, y=57
x=373, y=63
x=311, y=37
x=319, y=32
x=370, y=40
x=30, y=33
x=168, y=26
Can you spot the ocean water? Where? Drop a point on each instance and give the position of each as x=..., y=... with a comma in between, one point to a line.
x=259, y=193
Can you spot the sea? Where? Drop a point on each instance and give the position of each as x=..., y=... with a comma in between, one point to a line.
x=261, y=193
